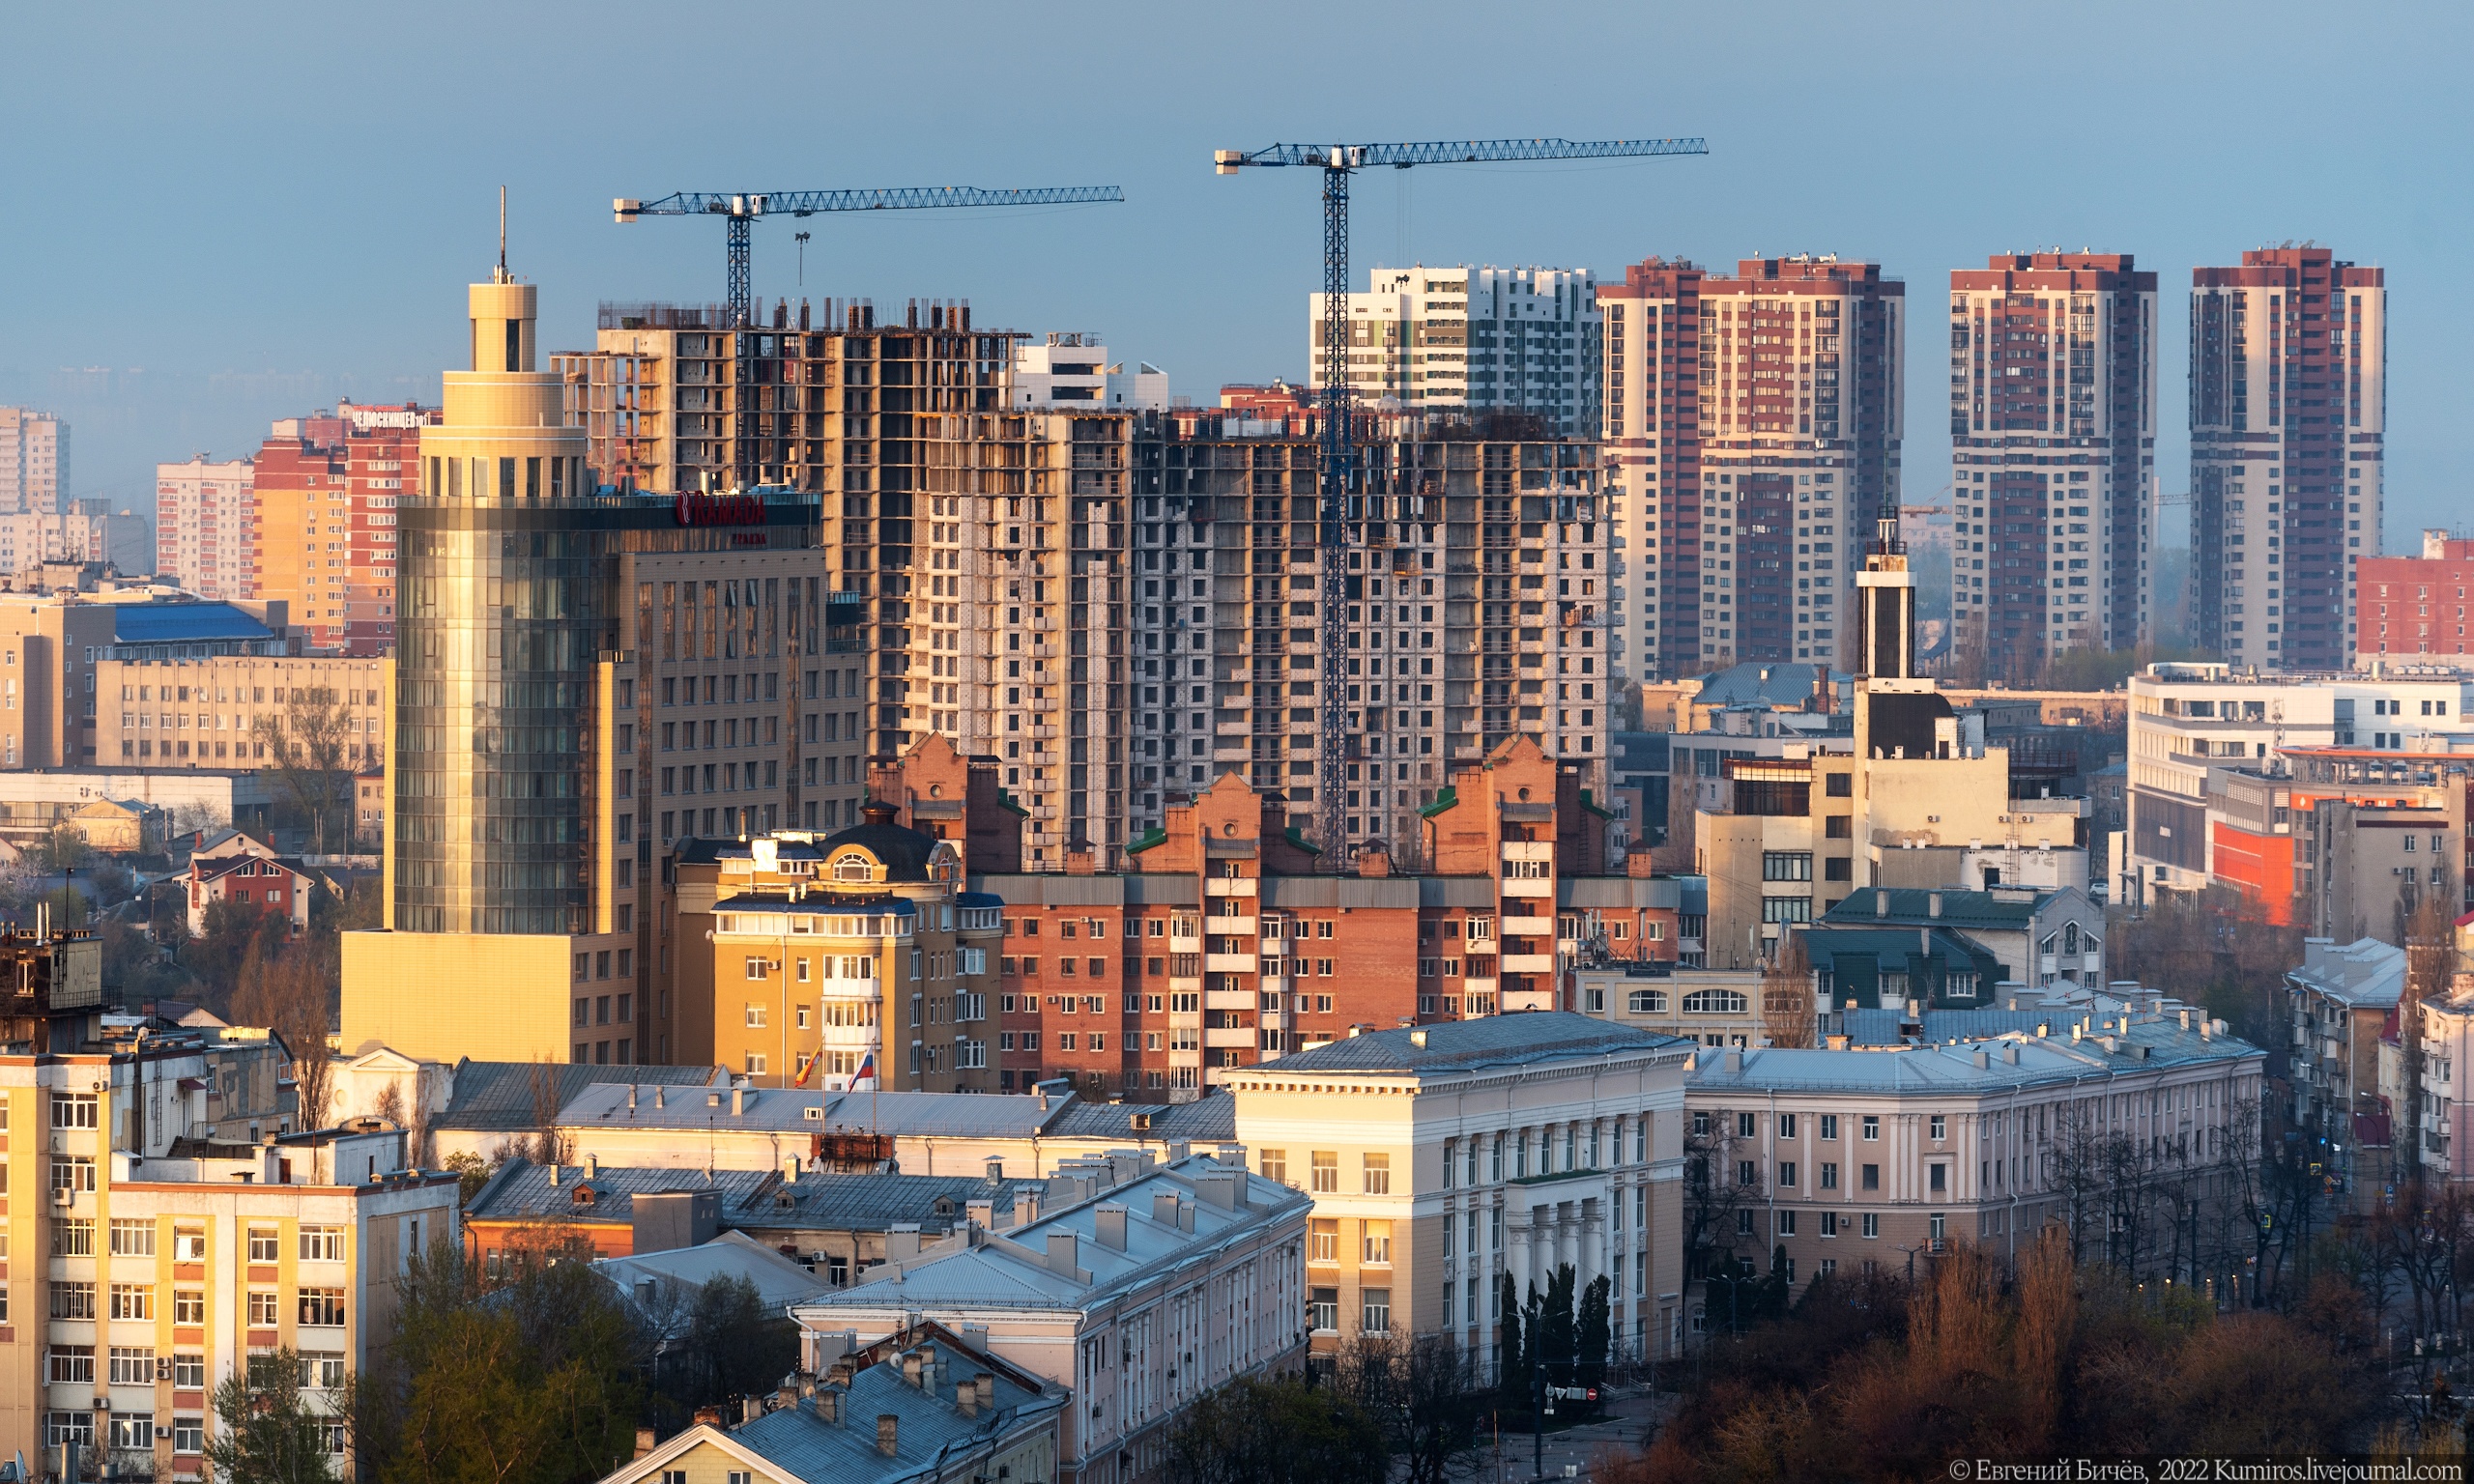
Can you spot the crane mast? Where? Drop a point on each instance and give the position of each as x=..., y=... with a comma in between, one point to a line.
x=1339, y=479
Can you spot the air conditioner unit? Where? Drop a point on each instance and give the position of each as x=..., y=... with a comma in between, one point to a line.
x=64, y=1196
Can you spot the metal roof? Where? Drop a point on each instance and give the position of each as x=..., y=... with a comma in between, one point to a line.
x=2365, y=974
x=763, y=1199
x=928, y=1426
x=1207, y=1120
x=509, y=1097
x=787, y=1110
x=157, y=623
x=1954, y=1069
x=1526, y=1037
x=778, y=1281
x=1913, y=906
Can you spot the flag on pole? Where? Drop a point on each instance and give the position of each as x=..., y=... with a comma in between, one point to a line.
x=867, y=1072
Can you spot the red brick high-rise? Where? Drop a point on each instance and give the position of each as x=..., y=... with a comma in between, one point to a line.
x=2053, y=427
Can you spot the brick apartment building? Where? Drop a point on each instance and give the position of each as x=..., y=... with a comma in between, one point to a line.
x=1225, y=943
x=2413, y=608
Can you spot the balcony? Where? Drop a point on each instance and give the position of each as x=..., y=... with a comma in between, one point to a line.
x=1529, y=849
x=1231, y=963
x=1482, y=946
x=1529, y=963
x=1232, y=1036
x=1529, y=926
x=1224, y=886
x=1539, y=886
x=1477, y=986
x=1228, y=999
x=1529, y=999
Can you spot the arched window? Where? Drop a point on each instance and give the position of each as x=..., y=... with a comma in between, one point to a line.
x=1714, y=1002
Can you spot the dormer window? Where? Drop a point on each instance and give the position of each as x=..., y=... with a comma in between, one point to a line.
x=854, y=869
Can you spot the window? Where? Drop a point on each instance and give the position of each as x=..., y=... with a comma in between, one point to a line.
x=1323, y=1239
x=1872, y=1127
x=72, y=1365
x=188, y=1371
x=1274, y=1165
x=1941, y=1127
x=322, y=1370
x=1828, y=1175
x=133, y=1431
x=1936, y=1178
x=264, y=1243
x=1872, y=1177
x=1786, y=1174
x=132, y=1239
x=1714, y=1002
x=188, y=1306
x=133, y=1300
x=1323, y=1310
x=189, y=1434
x=132, y=1366
x=1378, y=1244
x=1838, y=786
x=1830, y=1223
x=73, y=1300
x=1323, y=1172
x=1786, y=1223
x=1786, y=866
x=321, y=1244
x=73, y=1238
x=1378, y=1174
x=72, y=1110
x=1872, y=1224
x=266, y=1308
x=1377, y=1318
x=1747, y=1126
x=322, y=1306
x=1647, y=1002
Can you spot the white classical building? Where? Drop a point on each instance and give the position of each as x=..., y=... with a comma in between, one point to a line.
x=1444, y=1156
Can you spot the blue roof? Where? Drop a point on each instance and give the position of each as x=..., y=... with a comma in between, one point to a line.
x=157, y=623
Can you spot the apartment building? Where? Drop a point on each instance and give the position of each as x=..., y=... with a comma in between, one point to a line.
x=2412, y=609
x=851, y=958
x=206, y=526
x=1442, y=1159
x=2052, y=419
x=1752, y=435
x=81, y=534
x=1136, y=1289
x=327, y=489
x=568, y=663
x=2288, y=420
x=1071, y=369
x=2044, y=941
x=172, y=1226
x=1225, y=944
x=1469, y=341
x=2341, y=998
x=34, y=462
x=147, y=710
x=2444, y=1074
x=672, y=401
x=1815, y=1160
x=2189, y=719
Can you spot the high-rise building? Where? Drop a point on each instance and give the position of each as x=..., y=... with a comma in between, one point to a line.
x=2413, y=608
x=2288, y=414
x=34, y=462
x=671, y=402
x=206, y=526
x=326, y=493
x=568, y=662
x=1472, y=340
x=1753, y=429
x=2053, y=421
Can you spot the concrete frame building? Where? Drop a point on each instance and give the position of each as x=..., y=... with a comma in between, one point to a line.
x=1753, y=428
x=206, y=526
x=1443, y=1158
x=1469, y=341
x=2288, y=418
x=2052, y=363
x=33, y=463
x=1070, y=370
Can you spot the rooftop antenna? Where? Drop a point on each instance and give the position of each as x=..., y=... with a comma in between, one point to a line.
x=502, y=234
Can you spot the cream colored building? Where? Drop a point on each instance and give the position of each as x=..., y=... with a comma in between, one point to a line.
x=1441, y=1158
x=1470, y=340
x=133, y=695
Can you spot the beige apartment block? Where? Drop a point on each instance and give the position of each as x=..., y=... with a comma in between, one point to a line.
x=1443, y=1158
x=34, y=462
x=1839, y=1159
x=147, y=710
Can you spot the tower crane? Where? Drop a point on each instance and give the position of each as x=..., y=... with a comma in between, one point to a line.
x=1338, y=477
x=739, y=211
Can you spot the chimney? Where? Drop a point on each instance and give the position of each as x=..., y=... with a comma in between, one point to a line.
x=1933, y=905
x=996, y=1168
x=657, y=1096
x=554, y=1174
x=1639, y=864
x=1110, y=1231
x=750, y=1407
x=914, y=1366
x=1063, y=1248
x=1734, y=1059
x=982, y=1213
x=739, y=1102
x=2434, y=544
x=1164, y=1207
x=888, y=1433
x=647, y=1440
x=828, y=1405
x=1373, y=859
x=1079, y=859
x=984, y=1383
x=1026, y=1204
x=966, y=1398
x=1880, y=903
x=631, y=1097
x=592, y=1166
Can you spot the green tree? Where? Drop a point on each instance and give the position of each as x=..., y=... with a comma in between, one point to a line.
x=1511, y=1361
x=1283, y=1431
x=268, y=1430
x=1559, y=1336
x=533, y=1380
x=1597, y=1334
x=64, y=849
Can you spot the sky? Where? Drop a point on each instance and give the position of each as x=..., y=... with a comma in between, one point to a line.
x=221, y=215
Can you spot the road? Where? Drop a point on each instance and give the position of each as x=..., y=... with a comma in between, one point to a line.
x=1629, y=1415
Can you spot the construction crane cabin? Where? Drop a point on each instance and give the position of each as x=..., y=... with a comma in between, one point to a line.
x=740, y=211
x=1339, y=479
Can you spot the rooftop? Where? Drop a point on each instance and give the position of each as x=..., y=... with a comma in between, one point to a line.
x=1523, y=1039
x=512, y=1096
x=524, y=1191
x=1980, y=1066
x=2010, y=907
x=2365, y=974
x=787, y=1110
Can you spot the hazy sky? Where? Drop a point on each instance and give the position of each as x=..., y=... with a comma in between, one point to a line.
x=215, y=215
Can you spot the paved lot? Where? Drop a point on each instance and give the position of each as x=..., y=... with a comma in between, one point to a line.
x=1629, y=1418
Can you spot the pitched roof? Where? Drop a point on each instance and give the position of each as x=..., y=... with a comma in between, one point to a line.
x=765, y=1199
x=779, y=1110
x=1753, y=682
x=2148, y=1045
x=1985, y=911
x=498, y=1097
x=902, y=852
x=2366, y=974
x=928, y=1426
x=1207, y=1120
x=778, y=1281
x=1520, y=1039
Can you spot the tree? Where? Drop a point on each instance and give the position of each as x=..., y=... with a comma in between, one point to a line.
x=311, y=743
x=1511, y=1360
x=285, y=991
x=1787, y=1008
x=1559, y=1332
x=238, y=936
x=267, y=1430
x=1424, y=1394
x=1719, y=1190
x=1283, y=1431
x=1595, y=1333
x=62, y=850
x=533, y=1380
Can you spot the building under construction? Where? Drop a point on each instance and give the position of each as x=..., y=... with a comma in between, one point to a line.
x=1121, y=607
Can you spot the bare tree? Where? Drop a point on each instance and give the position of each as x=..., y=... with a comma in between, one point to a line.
x=311, y=743
x=549, y=1146
x=1722, y=1182
x=1426, y=1396
x=286, y=992
x=1787, y=1004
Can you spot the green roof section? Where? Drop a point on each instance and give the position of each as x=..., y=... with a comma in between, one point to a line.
x=1591, y=804
x=1450, y=797
x=1005, y=800
x=1294, y=838
x=1154, y=836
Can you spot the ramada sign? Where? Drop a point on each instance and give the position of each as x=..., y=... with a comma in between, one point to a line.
x=720, y=510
